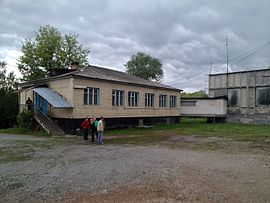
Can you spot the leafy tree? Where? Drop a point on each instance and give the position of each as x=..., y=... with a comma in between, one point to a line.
x=50, y=49
x=8, y=99
x=198, y=94
x=144, y=66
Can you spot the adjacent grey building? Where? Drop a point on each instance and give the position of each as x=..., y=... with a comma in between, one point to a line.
x=248, y=94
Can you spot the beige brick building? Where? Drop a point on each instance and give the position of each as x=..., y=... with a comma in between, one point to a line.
x=123, y=100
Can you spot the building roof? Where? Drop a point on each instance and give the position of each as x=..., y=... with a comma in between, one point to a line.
x=237, y=72
x=100, y=73
x=52, y=97
x=117, y=76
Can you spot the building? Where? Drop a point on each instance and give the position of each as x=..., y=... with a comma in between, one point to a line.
x=248, y=94
x=123, y=100
x=214, y=109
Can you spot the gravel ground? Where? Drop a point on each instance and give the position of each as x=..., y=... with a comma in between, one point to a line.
x=125, y=173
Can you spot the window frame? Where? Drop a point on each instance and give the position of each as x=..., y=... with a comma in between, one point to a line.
x=118, y=97
x=238, y=97
x=149, y=99
x=162, y=100
x=133, y=99
x=91, y=96
x=173, y=101
x=267, y=95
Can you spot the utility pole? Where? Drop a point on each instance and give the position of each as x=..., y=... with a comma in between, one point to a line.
x=227, y=53
x=211, y=67
x=227, y=62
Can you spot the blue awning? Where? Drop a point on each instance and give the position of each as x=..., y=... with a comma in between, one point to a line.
x=56, y=100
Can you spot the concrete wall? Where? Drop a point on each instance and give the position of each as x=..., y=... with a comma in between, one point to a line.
x=247, y=84
x=204, y=107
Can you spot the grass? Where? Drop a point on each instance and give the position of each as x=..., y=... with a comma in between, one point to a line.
x=190, y=133
x=199, y=127
x=23, y=131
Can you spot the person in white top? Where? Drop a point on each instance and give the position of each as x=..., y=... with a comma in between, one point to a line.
x=100, y=129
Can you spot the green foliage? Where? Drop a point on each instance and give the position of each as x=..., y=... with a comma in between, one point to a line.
x=25, y=131
x=8, y=99
x=7, y=81
x=50, y=49
x=144, y=66
x=198, y=94
x=25, y=119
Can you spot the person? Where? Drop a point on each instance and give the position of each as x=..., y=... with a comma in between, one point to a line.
x=85, y=126
x=93, y=129
x=100, y=129
x=29, y=104
x=96, y=125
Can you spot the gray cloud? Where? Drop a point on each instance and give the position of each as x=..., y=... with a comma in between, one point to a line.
x=186, y=35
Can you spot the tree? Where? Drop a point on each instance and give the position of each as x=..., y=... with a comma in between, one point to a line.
x=198, y=94
x=50, y=49
x=8, y=98
x=144, y=66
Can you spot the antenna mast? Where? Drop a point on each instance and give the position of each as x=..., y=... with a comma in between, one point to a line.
x=227, y=53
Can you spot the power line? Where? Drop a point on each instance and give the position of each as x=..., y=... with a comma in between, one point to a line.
x=237, y=59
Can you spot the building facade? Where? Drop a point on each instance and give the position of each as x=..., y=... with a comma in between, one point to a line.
x=123, y=100
x=248, y=94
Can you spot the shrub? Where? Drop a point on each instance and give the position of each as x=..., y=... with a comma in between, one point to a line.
x=25, y=119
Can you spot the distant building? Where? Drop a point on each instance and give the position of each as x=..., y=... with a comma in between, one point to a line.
x=248, y=94
x=123, y=100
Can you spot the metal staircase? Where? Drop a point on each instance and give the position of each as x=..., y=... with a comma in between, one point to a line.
x=48, y=124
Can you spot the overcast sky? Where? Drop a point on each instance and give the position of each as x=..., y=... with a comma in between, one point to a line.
x=186, y=35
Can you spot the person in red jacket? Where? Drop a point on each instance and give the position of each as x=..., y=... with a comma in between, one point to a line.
x=85, y=126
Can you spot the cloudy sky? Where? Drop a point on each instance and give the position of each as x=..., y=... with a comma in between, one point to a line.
x=186, y=35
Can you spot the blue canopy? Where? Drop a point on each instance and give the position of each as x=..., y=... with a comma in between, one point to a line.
x=56, y=100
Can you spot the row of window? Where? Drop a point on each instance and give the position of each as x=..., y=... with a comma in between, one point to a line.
x=91, y=97
x=262, y=97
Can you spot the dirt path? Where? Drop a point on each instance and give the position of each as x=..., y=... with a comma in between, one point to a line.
x=109, y=173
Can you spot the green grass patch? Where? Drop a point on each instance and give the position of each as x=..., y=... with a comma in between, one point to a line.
x=200, y=128
x=24, y=131
x=241, y=132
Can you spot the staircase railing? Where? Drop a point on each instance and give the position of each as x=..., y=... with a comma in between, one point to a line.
x=48, y=124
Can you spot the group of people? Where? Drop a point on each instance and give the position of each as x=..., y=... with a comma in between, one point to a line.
x=95, y=126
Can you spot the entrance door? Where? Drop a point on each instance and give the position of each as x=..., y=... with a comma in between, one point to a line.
x=37, y=101
x=44, y=106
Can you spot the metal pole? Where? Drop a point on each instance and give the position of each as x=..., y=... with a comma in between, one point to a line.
x=227, y=62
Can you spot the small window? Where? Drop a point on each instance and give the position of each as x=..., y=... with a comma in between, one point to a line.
x=118, y=98
x=91, y=96
x=233, y=97
x=149, y=99
x=162, y=100
x=263, y=96
x=133, y=98
x=173, y=101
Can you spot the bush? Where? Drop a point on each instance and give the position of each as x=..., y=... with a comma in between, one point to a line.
x=25, y=119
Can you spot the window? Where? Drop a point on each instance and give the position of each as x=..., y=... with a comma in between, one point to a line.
x=162, y=100
x=233, y=97
x=172, y=101
x=149, y=99
x=118, y=98
x=263, y=96
x=133, y=98
x=91, y=96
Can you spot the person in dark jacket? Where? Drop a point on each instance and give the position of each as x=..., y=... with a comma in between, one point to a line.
x=85, y=127
x=29, y=104
x=93, y=129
